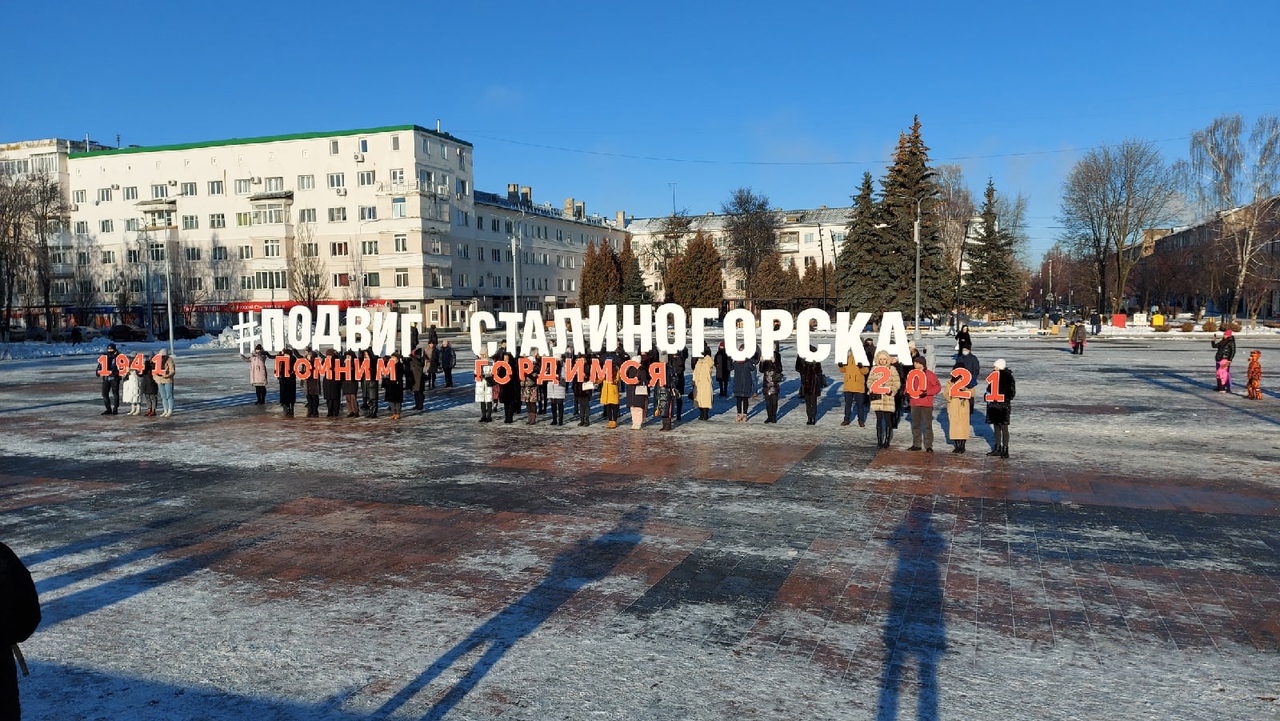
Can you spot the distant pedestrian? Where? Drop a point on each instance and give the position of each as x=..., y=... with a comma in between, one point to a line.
x=812, y=381
x=1095, y=320
x=258, y=373
x=164, y=379
x=448, y=359
x=609, y=397
x=703, y=378
x=431, y=364
x=964, y=341
x=1226, y=352
x=433, y=337
x=999, y=399
x=484, y=389
x=111, y=382
x=350, y=386
x=417, y=369
x=724, y=368
x=131, y=392
x=557, y=390
x=1078, y=338
x=1253, y=381
x=149, y=389
x=76, y=335
x=771, y=386
x=393, y=386
x=288, y=383
x=332, y=386
x=20, y=609
x=743, y=386
x=311, y=386
x=370, y=386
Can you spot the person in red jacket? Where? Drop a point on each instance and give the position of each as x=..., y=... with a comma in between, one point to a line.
x=922, y=386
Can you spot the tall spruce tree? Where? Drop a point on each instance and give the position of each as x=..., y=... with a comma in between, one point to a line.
x=870, y=269
x=632, y=286
x=906, y=187
x=994, y=282
x=589, y=291
x=600, y=281
x=774, y=286
x=695, y=276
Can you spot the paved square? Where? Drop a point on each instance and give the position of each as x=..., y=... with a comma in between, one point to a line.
x=233, y=563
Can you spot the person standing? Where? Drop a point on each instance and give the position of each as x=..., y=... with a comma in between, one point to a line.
x=582, y=392
x=744, y=386
x=811, y=382
x=1078, y=336
x=448, y=359
x=288, y=383
x=111, y=382
x=999, y=406
x=968, y=361
x=771, y=386
x=432, y=336
x=964, y=341
x=1253, y=381
x=431, y=363
x=557, y=390
x=369, y=386
x=855, y=391
x=958, y=409
x=417, y=369
x=20, y=606
x=164, y=380
x=609, y=397
x=703, y=373
x=483, y=392
x=350, y=386
x=884, y=404
x=1226, y=352
x=1095, y=320
x=393, y=387
x=638, y=395
x=131, y=392
x=148, y=388
x=311, y=386
x=723, y=370
x=258, y=373
x=332, y=386
x=920, y=396
x=676, y=363
x=529, y=392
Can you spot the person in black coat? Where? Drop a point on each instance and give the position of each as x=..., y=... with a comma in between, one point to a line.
x=724, y=369
x=998, y=409
x=111, y=383
x=811, y=378
x=288, y=383
x=332, y=387
x=1226, y=351
x=675, y=380
x=20, y=606
x=963, y=339
x=448, y=359
x=393, y=388
x=509, y=392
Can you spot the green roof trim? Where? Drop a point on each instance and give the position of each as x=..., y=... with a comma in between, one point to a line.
x=268, y=139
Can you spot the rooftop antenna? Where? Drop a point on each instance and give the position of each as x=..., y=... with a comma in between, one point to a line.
x=117, y=141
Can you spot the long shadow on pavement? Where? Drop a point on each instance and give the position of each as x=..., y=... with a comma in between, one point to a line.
x=1191, y=386
x=589, y=560
x=915, y=626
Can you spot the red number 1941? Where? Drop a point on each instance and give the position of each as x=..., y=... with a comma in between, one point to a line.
x=123, y=364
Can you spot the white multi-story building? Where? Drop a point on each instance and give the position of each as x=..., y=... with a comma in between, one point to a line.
x=806, y=238
x=377, y=216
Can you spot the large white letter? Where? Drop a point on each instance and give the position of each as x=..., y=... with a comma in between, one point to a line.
x=673, y=315
x=768, y=334
x=511, y=321
x=732, y=319
x=535, y=335
x=384, y=333
x=700, y=316
x=807, y=317
x=893, y=337
x=633, y=329
x=407, y=321
x=327, y=328
x=273, y=329
x=603, y=327
x=299, y=327
x=849, y=338
x=568, y=322
x=358, y=320
x=479, y=321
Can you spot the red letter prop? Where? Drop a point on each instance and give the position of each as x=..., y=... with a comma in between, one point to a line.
x=995, y=396
x=501, y=372
x=628, y=372
x=961, y=378
x=362, y=368
x=480, y=366
x=574, y=370
x=284, y=368
x=387, y=368
x=601, y=373
x=547, y=373
x=658, y=374
x=878, y=382
x=526, y=367
x=302, y=368
x=917, y=383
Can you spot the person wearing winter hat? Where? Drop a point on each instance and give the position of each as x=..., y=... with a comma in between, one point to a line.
x=164, y=380
x=1226, y=352
x=111, y=382
x=1253, y=382
x=999, y=399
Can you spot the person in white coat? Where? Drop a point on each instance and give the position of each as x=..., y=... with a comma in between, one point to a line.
x=131, y=392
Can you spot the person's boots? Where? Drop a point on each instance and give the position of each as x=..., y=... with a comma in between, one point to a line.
x=533, y=416
x=1004, y=451
x=961, y=444
x=995, y=451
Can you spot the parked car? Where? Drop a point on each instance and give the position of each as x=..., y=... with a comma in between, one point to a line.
x=180, y=332
x=124, y=332
x=87, y=333
x=35, y=332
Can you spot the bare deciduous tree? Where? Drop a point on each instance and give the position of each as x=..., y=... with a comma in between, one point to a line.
x=307, y=281
x=751, y=231
x=955, y=209
x=1110, y=196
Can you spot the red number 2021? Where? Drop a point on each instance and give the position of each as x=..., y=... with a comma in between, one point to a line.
x=960, y=379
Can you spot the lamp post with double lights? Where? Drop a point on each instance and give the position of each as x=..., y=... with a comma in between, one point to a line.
x=915, y=234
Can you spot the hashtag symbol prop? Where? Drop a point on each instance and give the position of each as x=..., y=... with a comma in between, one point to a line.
x=248, y=333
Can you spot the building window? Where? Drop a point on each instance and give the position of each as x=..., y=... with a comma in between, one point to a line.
x=497, y=255
x=82, y=227
x=246, y=282
x=367, y=212
x=463, y=279
x=493, y=225
x=395, y=142
x=426, y=146
x=192, y=253
x=462, y=186
x=244, y=186
x=402, y=243
x=133, y=255
x=217, y=220
x=270, y=279
x=246, y=252
x=368, y=247
x=268, y=213
x=135, y=285
x=216, y=187
x=402, y=277
x=397, y=176
x=372, y=280
x=306, y=182
x=310, y=250
x=365, y=178
x=271, y=248
x=333, y=147
x=218, y=252
x=307, y=215
x=189, y=222
x=106, y=226
x=341, y=280
x=188, y=189
x=444, y=151
x=337, y=215
x=398, y=208
x=243, y=219
x=104, y=195
x=110, y=285
x=108, y=256
x=78, y=197
x=339, y=248
x=159, y=191
x=222, y=282
x=337, y=180
x=131, y=192
x=156, y=251
x=364, y=145
x=275, y=185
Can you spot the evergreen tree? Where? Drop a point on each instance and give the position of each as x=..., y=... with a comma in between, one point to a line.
x=589, y=290
x=774, y=287
x=696, y=278
x=632, y=285
x=811, y=285
x=610, y=273
x=872, y=271
x=794, y=281
x=906, y=187
x=994, y=282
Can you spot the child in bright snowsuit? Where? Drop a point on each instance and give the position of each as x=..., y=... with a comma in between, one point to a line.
x=1224, y=375
x=1253, y=384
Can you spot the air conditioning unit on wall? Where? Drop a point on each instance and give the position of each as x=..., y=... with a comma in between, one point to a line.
x=340, y=191
x=359, y=157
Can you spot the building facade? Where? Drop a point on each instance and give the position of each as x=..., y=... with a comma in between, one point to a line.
x=384, y=216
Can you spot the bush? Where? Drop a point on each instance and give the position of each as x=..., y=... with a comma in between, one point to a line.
x=1236, y=326
x=1162, y=328
x=1209, y=326
x=1188, y=327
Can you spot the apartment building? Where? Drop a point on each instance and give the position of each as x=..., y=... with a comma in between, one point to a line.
x=383, y=216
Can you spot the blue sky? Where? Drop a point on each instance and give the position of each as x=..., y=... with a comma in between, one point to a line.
x=610, y=103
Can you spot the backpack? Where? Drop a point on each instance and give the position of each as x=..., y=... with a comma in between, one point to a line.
x=19, y=605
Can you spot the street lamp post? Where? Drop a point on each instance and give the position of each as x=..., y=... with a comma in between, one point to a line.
x=517, y=231
x=915, y=234
x=964, y=240
x=168, y=289
x=822, y=249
